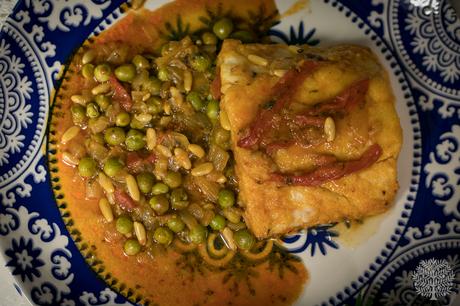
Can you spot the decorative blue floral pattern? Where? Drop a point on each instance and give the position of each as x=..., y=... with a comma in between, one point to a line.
x=48, y=266
x=296, y=36
x=317, y=238
x=25, y=259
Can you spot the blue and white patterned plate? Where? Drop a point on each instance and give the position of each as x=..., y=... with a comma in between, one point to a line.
x=417, y=40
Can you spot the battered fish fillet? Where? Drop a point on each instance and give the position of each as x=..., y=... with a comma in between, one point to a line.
x=248, y=73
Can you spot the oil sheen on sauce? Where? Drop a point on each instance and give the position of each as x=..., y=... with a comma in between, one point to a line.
x=168, y=278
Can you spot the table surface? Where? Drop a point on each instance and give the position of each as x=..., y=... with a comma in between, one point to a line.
x=10, y=295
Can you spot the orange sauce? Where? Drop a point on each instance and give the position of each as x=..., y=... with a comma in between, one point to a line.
x=169, y=278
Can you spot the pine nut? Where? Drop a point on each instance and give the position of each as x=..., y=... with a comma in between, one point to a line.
x=70, y=134
x=221, y=179
x=258, y=60
x=101, y=89
x=228, y=238
x=146, y=97
x=329, y=129
x=111, y=198
x=70, y=159
x=144, y=118
x=133, y=189
x=105, y=182
x=151, y=137
x=188, y=79
x=176, y=96
x=79, y=99
x=88, y=57
x=165, y=151
x=202, y=169
x=182, y=158
x=196, y=150
x=279, y=72
x=224, y=122
x=139, y=230
x=106, y=210
x=167, y=108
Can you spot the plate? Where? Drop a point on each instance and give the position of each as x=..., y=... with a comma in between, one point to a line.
x=382, y=260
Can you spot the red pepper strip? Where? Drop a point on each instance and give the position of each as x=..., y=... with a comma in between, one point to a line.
x=346, y=100
x=282, y=93
x=134, y=161
x=151, y=159
x=216, y=85
x=331, y=172
x=124, y=200
x=120, y=94
x=303, y=120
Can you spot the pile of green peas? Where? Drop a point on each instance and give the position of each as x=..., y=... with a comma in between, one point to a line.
x=124, y=130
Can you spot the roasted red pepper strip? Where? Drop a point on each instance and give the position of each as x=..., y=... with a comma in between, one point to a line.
x=282, y=93
x=304, y=120
x=151, y=158
x=331, y=172
x=120, y=94
x=134, y=161
x=124, y=200
x=345, y=101
x=216, y=85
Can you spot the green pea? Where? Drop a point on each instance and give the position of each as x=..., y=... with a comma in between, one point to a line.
x=112, y=166
x=173, y=179
x=102, y=72
x=134, y=140
x=92, y=110
x=132, y=247
x=87, y=167
x=160, y=188
x=200, y=62
x=163, y=235
x=141, y=62
x=176, y=225
x=194, y=98
x=87, y=71
x=145, y=181
x=244, y=36
x=124, y=225
x=122, y=119
x=179, y=198
x=223, y=28
x=209, y=38
x=78, y=113
x=102, y=101
x=218, y=223
x=212, y=109
x=152, y=85
x=226, y=198
x=159, y=204
x=114, y=136
x=154, y=105
x=244, y=239
x=163, y=74
x=198, y=234
x=125, y=73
